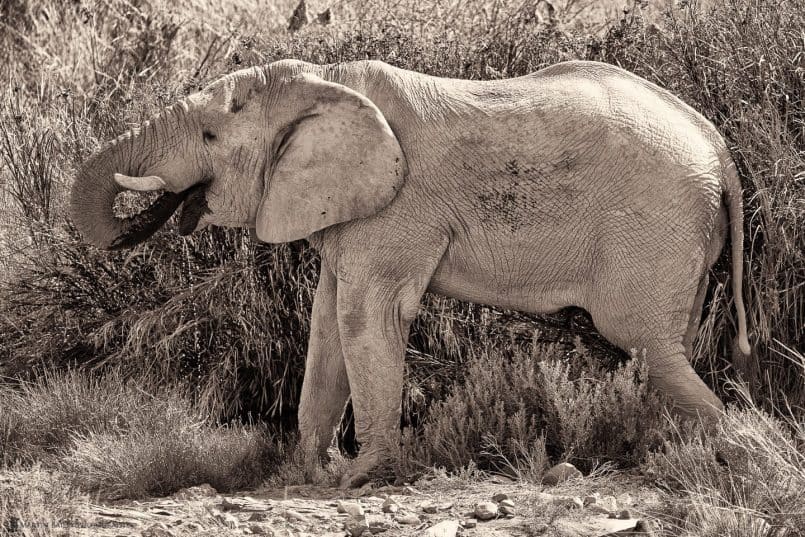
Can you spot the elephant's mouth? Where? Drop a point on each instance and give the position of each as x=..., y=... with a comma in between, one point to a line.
x=141, y=226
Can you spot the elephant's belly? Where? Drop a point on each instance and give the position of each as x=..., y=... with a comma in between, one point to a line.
x=513, y=277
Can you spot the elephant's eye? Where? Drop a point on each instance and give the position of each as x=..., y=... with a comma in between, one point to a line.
x=208, y=136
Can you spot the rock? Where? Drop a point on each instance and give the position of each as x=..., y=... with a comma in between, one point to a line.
x=377, y=523
x=507, y=507
x=257, y=529
x=560, y=473
x=356, y=525
x=469, y=523
x=486, y=510
x=157, y=530
x=299, y=17
x=429, y=507
x=390, y=506
x=623, y=514
x=446, y=528
x=605, y=505
x=227, y=520
x=290, y=514
x=258, y=517
x=500, y=496
x=350, y=508
x=200, y=491
x=591, y=499
x=571, y=502
x=409, y=519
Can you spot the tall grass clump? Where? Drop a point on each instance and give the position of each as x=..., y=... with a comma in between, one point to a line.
x=109, y=434
x=38, y=502
x=755, y=488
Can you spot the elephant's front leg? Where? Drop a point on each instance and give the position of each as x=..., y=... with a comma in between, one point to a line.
x=374, y=319
x=325, y=388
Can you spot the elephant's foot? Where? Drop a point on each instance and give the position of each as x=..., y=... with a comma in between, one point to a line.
x=364, y=467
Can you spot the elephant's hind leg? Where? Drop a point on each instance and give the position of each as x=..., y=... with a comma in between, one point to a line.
x=659, y=320
x=325, y=388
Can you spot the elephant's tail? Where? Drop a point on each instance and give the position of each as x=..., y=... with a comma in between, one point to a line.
x=734, y=203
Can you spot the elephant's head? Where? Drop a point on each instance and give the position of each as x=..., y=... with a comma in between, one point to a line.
x=284, y=152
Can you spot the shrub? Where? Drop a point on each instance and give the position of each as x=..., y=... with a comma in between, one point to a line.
x=511, y=414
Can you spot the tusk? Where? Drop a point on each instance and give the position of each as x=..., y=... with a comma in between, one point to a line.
x=143, y=184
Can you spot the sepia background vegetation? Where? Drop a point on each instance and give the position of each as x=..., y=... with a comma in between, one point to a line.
x=102, y=353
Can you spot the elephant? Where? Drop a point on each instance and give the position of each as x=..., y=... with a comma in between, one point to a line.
x=580, y=184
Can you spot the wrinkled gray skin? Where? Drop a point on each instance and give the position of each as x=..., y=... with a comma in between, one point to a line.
x=580, y=184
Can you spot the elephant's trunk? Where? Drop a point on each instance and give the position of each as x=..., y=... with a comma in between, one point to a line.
x=94, y=193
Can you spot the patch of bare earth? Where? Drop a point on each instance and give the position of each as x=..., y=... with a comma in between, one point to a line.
x=438, y=506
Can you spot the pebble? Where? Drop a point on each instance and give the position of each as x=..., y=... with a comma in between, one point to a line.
x=623, y=514
x=157, y=530
x=486, y=510
x=227, y=520
x=350, y=508
x=390, y=506
x=257, y=529
x=377, y=523
x=258, y=517
x=410, y=519
x=446, y=528
x=469, y=523
x=356, y=526
x=571, y=502
x=429, y=507
x=500, y=496
x=560, y=473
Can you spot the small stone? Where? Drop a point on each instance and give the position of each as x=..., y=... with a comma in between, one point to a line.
x=157, y=530
x=199, y=491
x=623, y=514
x=377, y=523
x=257, y=529
x=570, y=502
x=605, y=505
x=356, y=525
x=227, y=520
x=446, y=528
x=407, y=518
x=429, y=507
x=258, y=517
x=507, y=510
x=469, y=523
x=486, y=510
x=350, y=508
x=500, y=496
x=390, y=506
x=560, y=473
x=507, y=503
x=290, y=514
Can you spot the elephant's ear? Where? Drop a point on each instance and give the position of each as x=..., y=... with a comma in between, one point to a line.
x=337, y=161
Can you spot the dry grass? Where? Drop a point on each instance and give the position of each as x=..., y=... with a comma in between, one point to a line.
x=229, y=316
x=123, y=437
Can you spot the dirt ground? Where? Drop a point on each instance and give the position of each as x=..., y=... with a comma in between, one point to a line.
x=439, y=506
